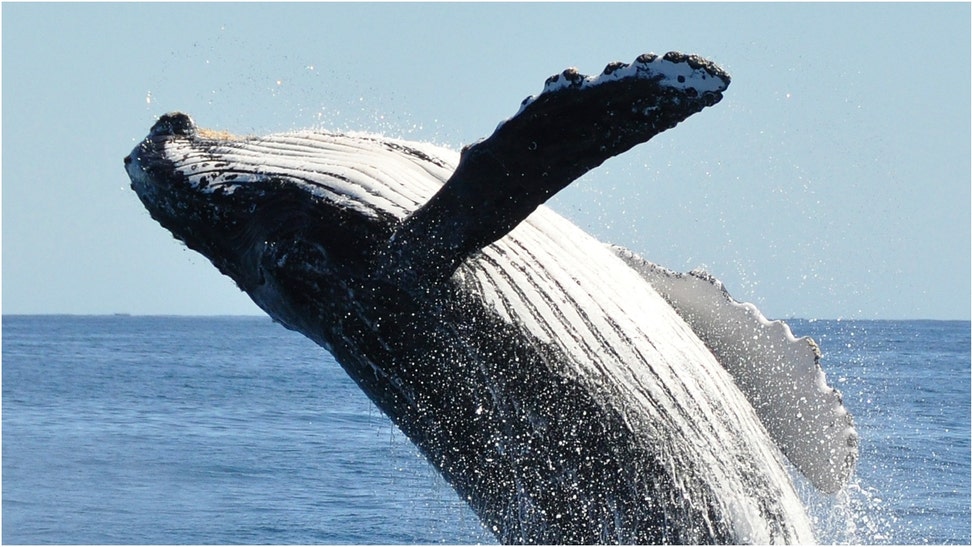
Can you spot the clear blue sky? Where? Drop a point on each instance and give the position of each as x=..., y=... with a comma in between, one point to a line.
x=833, y=181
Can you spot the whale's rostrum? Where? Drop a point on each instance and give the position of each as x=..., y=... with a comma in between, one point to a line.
x=559, y=392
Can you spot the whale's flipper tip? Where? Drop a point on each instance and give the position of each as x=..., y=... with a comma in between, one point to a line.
x=691, y=74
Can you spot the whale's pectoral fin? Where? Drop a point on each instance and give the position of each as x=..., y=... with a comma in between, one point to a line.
x=572, y=126
x=779, y=374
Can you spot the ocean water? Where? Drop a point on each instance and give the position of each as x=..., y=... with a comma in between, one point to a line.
x=180, y=430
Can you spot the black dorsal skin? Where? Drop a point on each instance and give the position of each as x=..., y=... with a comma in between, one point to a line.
x=539, y=451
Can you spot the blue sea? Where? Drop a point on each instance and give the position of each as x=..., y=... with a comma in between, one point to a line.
x=180, y=430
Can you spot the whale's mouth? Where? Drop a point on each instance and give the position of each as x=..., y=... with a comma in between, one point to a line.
x=154, y=162
x=256, y=223
x=236, y=224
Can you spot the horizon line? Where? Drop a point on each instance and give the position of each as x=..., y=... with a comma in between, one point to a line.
x=263, y=315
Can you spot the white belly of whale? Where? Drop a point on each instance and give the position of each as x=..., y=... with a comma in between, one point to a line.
x=628, y=345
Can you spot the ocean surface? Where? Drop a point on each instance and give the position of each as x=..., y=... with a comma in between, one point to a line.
x=146, y=430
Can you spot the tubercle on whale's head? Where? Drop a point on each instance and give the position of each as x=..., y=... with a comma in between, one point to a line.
x=180, y=124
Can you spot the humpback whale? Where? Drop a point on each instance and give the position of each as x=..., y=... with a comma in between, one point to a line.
x=570, y=391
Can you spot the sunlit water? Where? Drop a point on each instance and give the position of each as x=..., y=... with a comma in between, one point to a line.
x=219, y=430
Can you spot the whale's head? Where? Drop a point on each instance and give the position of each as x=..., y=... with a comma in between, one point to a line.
x=268, y=215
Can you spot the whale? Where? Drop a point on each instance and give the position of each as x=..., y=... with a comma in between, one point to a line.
x=570, y=391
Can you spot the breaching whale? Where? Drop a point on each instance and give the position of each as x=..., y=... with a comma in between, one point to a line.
x=568, y=390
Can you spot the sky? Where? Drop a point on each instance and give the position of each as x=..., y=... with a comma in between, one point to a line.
x=832, y=181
